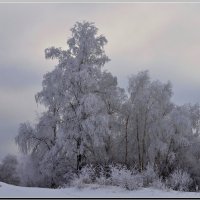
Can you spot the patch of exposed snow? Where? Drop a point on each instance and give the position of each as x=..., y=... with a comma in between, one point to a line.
x=90, y=191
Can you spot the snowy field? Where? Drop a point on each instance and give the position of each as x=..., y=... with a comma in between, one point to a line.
x=91, y=191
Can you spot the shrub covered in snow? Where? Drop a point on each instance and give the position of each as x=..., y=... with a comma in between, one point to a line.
x=119, y=176
x=179, y=180
x=86, y=176
x=8, y=172
x=149, y=175
x=158, y=184
x=123, y=177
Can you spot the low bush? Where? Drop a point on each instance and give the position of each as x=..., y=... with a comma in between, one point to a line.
x=179, y=180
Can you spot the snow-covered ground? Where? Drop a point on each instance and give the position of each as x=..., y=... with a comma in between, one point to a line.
x=91, y=191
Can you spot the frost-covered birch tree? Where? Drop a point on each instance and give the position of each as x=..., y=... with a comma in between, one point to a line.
x=81, y=103
x=149, y=103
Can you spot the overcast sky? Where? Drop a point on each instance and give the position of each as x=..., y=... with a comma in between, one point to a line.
x=163, y=38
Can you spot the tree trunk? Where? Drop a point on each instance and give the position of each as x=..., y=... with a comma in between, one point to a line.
x=54, y=127
x=53, y=184
x=79, y=156
x=126, y=137
x=144, y=146
x=138, y=142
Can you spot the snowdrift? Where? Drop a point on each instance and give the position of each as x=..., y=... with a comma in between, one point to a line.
x=90, y=191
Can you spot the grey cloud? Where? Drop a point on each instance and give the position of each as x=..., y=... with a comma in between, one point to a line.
x=7, y=135
x=14, y=77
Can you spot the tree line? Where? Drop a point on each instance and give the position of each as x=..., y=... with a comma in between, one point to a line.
x=89, y=121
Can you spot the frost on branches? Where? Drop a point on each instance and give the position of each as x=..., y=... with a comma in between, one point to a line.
x=94, y=131
x=82, y=101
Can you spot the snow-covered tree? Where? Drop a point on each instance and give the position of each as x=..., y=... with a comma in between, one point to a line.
x=149, y=103
x=86, y=109
x=81, y=103
x=8, y=170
